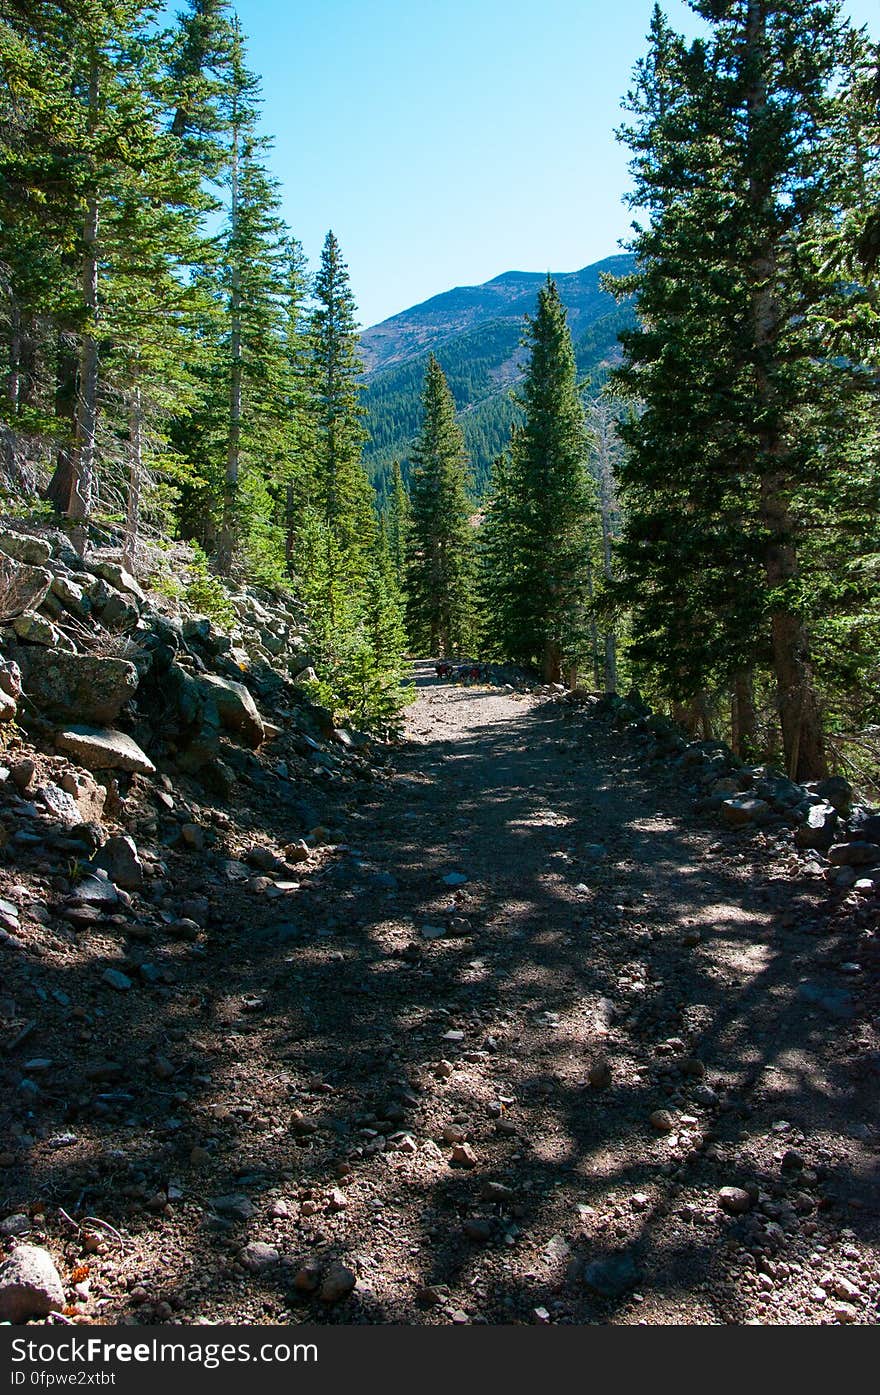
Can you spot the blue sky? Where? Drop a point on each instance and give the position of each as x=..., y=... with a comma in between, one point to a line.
x=446, y=141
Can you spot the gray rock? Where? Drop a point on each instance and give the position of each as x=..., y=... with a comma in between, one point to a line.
x=35, y=629
x=119, y=859
x=817, y=830
x=94, y=890
x=738, y=812
x=30, y=1285
x=838, y=792
x=257, y=1256
x=612, y=1276
x=71, y=596
x=25, y=587
x=237, y=709
x=79, y=687
x=8, y=708
x=735, y=1200
x=18, y=1224
x=24, y=548
x=59, y=804
x=338, y=1282
x=854, y=854
x=235, y=1205
x=114, y=979
x=119, y=578
x=102, y=748
x=10, y=678
x=837, y=1002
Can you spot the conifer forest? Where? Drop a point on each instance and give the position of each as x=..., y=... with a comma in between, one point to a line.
x=439, y=762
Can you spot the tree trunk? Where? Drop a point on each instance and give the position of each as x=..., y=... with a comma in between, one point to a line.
x=84, y=454
x=610, y=661
x=743, y=718
x=135, y=474
x=552, y=666
x=57, y=491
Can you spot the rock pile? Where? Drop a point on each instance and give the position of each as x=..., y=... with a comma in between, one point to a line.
x=840, y=836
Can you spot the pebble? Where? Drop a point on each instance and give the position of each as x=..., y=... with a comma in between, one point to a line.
x=114, y=979
x=736, y=1200
x=338, y=1282
x=662, y=1121
x=478, y=1228
x=257, y=1256
x=599, y=1074
x=462, y=1156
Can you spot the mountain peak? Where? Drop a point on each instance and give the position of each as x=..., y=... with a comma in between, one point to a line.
x=476, y=332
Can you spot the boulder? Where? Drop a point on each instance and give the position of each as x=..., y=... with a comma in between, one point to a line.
x=102, y=748
x=79, y=687
x=738, y=812
x=30, y=1285
x=8, y=708
x=71, y=596
x=119, y=578
x=237, y=709
x=854, y=854
x=838, y=792
x=817, y=830
x=36, y=629
x=35, y=551
x=22, y=587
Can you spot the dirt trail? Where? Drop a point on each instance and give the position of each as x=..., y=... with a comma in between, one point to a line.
x=418, y=1104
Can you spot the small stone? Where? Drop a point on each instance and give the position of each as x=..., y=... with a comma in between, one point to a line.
x=463, y=1156
x=337, y=1200
x=478, y=1228
x=308, y=1277
x=432, y=932
x=338, y=1282
x=455, y=879
x=193, y=836
x=18, y=1224
x=451, y=1133
x=257, y=1256
x=662, y=1120
x=121, y=982
x=236, y=1206
x=845, y=1312
x=736, y=1200
x=599, y=1074
x=30, y=1285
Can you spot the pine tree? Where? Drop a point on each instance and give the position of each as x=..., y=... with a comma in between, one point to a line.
x=342, y=495
x=553, y=498
x=440, y=559
x=397, y=523
x=741, y=398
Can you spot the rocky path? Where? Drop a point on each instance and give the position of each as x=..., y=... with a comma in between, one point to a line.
x=534, y=1044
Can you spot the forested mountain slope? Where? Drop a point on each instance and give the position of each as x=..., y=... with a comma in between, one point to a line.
x=475, y=332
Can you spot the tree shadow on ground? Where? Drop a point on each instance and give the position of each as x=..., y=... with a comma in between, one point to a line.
x=298, y=1045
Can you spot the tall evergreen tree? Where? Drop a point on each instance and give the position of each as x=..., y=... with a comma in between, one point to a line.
x=554, y=500
x=343, y=496
x=440, y=565
x=742, y=400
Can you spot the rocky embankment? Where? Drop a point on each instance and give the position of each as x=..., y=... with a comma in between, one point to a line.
x=157, y=772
